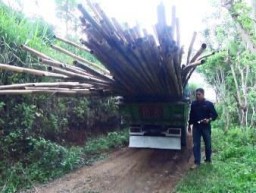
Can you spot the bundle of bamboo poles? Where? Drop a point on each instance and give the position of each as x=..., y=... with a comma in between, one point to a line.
x=137, y=64
x=141, y=64
x=69, y=79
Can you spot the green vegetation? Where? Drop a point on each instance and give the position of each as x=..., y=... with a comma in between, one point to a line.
x=231, y=71
x=47, y=116
x=47, y=160
x=233, y=169
x=44, y=136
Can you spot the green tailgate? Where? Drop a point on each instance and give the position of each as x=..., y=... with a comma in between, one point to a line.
x=175, y=114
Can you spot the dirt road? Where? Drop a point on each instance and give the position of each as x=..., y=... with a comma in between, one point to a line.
x=126, y=171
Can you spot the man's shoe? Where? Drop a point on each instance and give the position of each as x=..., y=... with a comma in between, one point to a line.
x=194, y=166
x=207, y=161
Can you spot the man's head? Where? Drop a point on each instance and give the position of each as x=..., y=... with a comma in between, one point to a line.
x=199, y=94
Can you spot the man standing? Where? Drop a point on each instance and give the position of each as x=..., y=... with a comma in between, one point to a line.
x=201, y=114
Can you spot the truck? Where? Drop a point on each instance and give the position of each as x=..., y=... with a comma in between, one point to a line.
x=156, y=124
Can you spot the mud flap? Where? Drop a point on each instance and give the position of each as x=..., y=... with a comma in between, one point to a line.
x=155, y=142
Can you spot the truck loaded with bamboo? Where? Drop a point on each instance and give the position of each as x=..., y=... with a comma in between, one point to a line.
x=136, y=65
x=134, y=62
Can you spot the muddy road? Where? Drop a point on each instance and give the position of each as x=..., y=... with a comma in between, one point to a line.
x=126, y=171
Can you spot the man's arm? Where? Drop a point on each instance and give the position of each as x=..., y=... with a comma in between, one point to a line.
x=191, y=118
x=191, y=115
x=213, y=113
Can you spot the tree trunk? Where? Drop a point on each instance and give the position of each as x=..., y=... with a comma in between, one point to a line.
x=221, y=91
x=253, y=116
x=253, y=4
x=240, y=75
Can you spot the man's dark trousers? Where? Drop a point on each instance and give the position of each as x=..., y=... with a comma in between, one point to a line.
x=205, y=132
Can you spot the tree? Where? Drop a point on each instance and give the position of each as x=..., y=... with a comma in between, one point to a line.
x=232, y=70
x=66, y=12
x=241, y=13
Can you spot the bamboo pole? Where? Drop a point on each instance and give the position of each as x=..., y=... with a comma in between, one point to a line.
x=92, y=7
x=35, y=52
x=105, y=20
x=173, y=79
x=31, y=71
x=56, y=89
x=190, y=72
x=137, y=70
x=105, y=56
x=17, y=92
x=161, y=15
x=192, y=65
x=147, y=75
x=119, y=29
x=94, y=24
x=51, y=63
x=149, y=63
x=117, y=46
x=181, y=52
x=191, y=46
x=47, y=84
x=67, y=67
x=71, y=43
x=178, y=32
x=153, y=55
x=46, y=88
x=198, y=53
x=79, y=58
x=89, y=79
x=174, y=19
x=92, y=71
x=177, y=67
x=109, y=25
x=206, y=56
x=119, y=70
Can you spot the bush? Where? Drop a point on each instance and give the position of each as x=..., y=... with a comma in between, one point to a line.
x=45, y=160
x=103, y=143
x=51, y=160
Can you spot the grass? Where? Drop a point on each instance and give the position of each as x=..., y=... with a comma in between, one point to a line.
x=16, y=29
x=233, y=169
x=97, y=148
x=49, y=160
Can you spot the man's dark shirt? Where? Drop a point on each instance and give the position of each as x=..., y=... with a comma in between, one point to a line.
x=202, y=110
